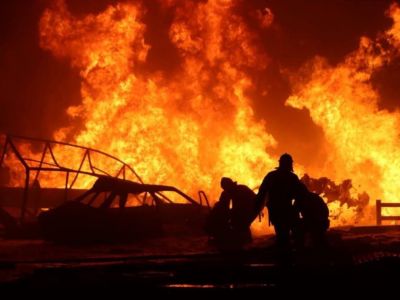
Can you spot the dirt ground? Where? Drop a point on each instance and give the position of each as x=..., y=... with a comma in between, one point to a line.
x=359, y=256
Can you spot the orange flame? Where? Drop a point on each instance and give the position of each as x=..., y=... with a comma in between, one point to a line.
x=363, y=140
x=190, y=127
x=189, y=130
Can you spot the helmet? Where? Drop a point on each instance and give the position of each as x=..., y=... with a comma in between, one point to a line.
x=286, y=158
x=227, y=183
x=286, y=162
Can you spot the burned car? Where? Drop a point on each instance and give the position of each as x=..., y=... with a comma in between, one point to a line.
x=117, y=209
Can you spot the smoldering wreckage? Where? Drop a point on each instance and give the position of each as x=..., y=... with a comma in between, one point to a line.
x=115, y=211
x=113, y=208
x=66, y=193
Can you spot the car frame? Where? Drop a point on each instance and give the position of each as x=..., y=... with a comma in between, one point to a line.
x=103, y=213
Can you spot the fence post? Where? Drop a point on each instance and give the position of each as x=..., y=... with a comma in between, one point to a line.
x=378, y=212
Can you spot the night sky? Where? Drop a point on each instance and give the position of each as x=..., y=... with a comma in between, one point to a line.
x=36, y=88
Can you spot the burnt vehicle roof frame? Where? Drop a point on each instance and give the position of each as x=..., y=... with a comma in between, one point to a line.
x=55, y=166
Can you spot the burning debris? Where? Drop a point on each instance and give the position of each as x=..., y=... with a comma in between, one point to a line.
x=192, y=119
x=185, y=92
x=342, y=193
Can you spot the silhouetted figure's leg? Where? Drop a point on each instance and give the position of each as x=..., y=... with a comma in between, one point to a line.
x=299, y=231
x=244, y=235
x=241, y=228
x=319, y=238
x=282, y=231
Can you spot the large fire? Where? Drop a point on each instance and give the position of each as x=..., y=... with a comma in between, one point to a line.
x=189, y=130
x=192, y=126
x=363, y=140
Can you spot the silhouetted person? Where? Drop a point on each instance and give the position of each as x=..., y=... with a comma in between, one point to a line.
x=315, y=216
x=218, y=225
x=232, y=215
x=278, y=190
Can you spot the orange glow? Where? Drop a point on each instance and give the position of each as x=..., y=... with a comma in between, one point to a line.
x=190, y=127
x=363, y=140
x=187, y=131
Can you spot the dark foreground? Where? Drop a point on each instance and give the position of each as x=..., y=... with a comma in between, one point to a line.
x=358, y=259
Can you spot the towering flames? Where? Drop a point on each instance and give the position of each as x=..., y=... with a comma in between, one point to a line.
x=363, y=140
x=187, y=130
x=193, y=125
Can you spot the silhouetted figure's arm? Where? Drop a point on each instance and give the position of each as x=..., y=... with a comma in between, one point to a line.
x=262, y=193
x=224, y=200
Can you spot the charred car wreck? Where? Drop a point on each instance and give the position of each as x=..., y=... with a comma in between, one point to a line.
x=117, y=209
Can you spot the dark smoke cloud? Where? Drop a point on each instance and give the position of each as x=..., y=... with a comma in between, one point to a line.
x=36, y=88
